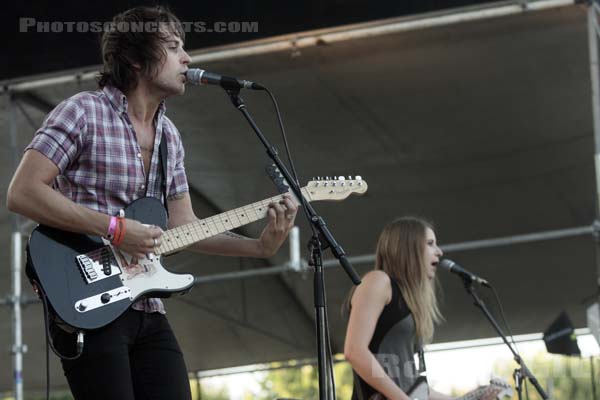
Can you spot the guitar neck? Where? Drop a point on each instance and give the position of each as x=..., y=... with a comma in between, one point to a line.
x=179, y=238
x=474, y=394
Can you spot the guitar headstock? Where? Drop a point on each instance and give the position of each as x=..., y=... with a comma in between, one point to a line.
x=337, y=188
x=500, y=388
x=275, y=174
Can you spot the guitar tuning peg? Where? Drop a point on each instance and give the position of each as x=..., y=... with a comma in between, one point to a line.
x=327, y=178
x=350, y=177
x=358, y=178
x=341, y=178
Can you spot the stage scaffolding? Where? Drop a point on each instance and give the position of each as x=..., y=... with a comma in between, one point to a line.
x=19, y=91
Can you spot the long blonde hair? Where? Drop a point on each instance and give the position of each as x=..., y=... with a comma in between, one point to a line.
x=399, y=253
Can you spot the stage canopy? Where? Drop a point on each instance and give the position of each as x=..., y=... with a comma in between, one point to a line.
x=484, y=127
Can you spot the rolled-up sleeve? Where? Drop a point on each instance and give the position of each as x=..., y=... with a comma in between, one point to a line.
x=60, y=136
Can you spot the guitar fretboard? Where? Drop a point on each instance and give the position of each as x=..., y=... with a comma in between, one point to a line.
x=183, y=236
x=474, y=394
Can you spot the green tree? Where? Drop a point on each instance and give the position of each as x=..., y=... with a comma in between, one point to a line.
x=565, y=378
x=302, y=382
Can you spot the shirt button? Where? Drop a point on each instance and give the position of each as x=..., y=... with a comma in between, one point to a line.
x=142, y=187
x=139, y=155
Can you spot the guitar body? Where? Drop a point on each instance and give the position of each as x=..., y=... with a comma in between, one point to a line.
x=88, y=292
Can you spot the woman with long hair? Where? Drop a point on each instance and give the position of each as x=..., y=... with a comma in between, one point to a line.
x=393, y=312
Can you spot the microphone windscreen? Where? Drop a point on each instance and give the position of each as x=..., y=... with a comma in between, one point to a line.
x=194, y=75
x=446, y=264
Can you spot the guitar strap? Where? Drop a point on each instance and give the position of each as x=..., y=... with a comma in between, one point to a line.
x=422, y=367
x=162, y=170
x=422, y=372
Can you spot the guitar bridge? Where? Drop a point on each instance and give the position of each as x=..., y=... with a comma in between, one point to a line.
x=97, y=265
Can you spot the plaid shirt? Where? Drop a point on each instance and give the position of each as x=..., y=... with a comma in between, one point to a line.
x=91, y=140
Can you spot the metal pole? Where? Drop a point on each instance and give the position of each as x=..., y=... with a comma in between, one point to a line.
x=370, y=258
x=494, y=242
x=295, y=260
x=593, y=377
x=517, y=239
x=18, y=348
x=594, y=77
x=198, y=387
x=314, y=38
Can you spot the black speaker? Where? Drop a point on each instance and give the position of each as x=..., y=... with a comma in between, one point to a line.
x=560, y=337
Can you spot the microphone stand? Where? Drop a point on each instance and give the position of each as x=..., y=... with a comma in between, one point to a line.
x=320, y=233
x=520, y=373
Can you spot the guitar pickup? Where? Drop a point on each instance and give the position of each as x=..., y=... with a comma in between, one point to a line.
x=97, y=265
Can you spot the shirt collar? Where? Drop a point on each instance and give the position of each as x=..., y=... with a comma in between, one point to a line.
x=119, y=100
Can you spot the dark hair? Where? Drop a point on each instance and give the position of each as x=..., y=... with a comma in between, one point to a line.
x=136, y=37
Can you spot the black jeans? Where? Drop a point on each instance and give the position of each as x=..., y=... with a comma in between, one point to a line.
x=134, y=357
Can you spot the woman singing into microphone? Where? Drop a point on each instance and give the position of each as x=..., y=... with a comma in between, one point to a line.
x=393, y=312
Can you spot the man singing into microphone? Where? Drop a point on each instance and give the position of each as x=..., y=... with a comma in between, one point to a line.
x=95, y=153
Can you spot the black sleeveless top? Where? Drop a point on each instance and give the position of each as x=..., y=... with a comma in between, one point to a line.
x=393, y=344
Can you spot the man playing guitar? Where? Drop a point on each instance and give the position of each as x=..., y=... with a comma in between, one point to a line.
x=95, y=153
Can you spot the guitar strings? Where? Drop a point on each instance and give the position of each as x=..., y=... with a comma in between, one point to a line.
x=214, y=225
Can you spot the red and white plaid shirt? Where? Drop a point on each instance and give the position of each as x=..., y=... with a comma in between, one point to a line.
x=91, y=140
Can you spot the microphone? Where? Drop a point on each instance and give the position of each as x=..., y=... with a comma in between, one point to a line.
x=453, y=267
x=197, y=76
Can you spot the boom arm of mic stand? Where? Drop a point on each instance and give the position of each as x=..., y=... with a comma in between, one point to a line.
x=524, y=370
x=314, y=219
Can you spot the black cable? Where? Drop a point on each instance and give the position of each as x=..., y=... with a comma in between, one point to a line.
x=79, y=344
x=289, y=156
x=285, y=142
x=49, y=344
x=501, y=309
x=47, y=361
x=328, y=348
x=329, y=356
x=510, y=335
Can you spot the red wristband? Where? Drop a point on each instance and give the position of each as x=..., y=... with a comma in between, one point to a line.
x=119, y=231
